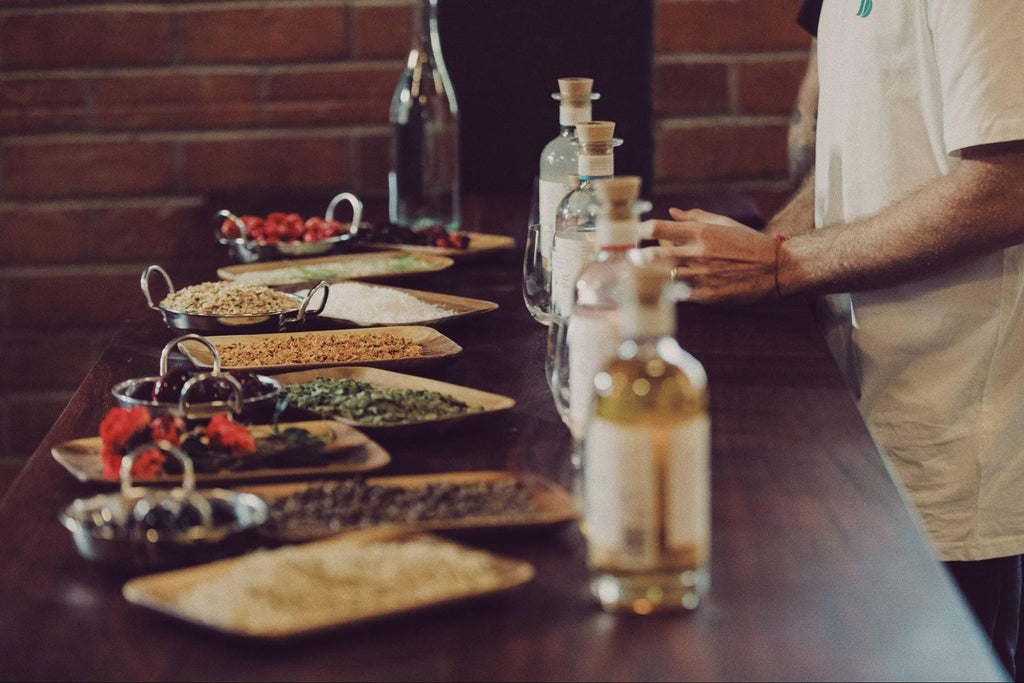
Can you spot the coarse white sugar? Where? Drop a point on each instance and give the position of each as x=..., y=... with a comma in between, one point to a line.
x=369, y=305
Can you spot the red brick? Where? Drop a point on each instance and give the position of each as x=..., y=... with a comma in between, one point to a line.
x=770, y=87
x=687, y=89
x=42, y=104
x=269, y=34
x=177, y=101
x=330, y=97
x=91, y=38
x=47, y=362
x=718, y=152
x=152, y=233
x=42, y=236
x=267, y=162
x=381, y=30
x=72, y=168
x=687, y=26
x=59, y=302
x=34, y=419
x=372, y=162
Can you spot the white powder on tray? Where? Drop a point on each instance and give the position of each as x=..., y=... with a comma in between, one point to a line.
x=306, y=587
x=367, y=305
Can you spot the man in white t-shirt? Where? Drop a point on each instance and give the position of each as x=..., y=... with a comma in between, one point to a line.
x=913, y=222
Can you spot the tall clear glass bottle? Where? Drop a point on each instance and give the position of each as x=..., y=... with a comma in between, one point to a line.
x=575, y=220
x=423, y=182
x=593, y=329
x=646, y=467
x=560, y=156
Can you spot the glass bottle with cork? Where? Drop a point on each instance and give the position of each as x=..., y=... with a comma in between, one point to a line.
x=575, y=220
x=423, y=182
x=560, y=156
x=593, y=328
x=646, y=468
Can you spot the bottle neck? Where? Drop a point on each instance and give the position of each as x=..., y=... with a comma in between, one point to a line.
x=645, y=325
x=425, y=25
x=617, y=236
x=569, y=116
x=596, y=166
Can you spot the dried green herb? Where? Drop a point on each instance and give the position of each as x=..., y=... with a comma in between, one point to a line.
x=363, y=402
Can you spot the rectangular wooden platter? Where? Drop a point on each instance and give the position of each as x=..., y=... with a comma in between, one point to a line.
x=435, y=345
x=433, y=264
x=555, y=505
x=480, y=244
x=81, y=457
x=163, y=592
x=459, y=307
x=491, y=403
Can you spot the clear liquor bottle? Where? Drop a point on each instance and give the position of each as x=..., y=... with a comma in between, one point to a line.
x=646, y=468
x=559, y=157
x=576, y=218
x=423, y=182
x=593, y=329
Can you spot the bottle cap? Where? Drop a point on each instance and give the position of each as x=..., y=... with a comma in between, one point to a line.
x=617, y=224
x=591, y=132
x=575, y=92
x=623, y=189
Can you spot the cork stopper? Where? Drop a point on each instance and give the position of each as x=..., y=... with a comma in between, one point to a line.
x=575, y=92
x=595, y=132
x=623, y=189
x=574, y=180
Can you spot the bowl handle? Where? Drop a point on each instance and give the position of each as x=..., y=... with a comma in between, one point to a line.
x=309, y=297
x=235, y=404
x=357, y=210
x=224, y=213
x=165, y=354
x=144, y=284
x=187, y=492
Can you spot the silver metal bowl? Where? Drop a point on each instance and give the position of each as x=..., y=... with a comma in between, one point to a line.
x=237, y=323
x=252, y=409
x=118, y=529
x=246, y=250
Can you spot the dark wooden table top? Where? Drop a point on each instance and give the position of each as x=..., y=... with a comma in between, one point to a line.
x=818, y=570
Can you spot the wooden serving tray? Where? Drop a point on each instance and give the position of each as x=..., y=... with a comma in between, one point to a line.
x=164, y=592
x=81, y=457
x=480, y=244
x=435, y=345
x=491, y=403
x=554, y=503
x=460, y=307
x=433, y=262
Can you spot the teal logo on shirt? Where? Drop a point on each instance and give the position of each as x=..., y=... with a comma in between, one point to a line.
x=865, y=8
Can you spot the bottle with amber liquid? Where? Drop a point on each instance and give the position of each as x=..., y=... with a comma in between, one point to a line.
x=646, y=465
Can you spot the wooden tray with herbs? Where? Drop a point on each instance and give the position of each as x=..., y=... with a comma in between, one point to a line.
x=345, y=451
x=376, y=399
x=449, y=501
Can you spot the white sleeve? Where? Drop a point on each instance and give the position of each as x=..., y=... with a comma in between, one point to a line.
x=979, y=51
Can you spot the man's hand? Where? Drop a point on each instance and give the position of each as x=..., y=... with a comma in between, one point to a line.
x=722, y=261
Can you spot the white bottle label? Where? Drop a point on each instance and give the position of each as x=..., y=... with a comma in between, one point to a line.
x=591, y=341
x=621, y=488
x=568, y=256
x=549, y=194
x=597, y=166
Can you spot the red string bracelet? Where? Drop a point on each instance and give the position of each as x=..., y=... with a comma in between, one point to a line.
x=779, y=239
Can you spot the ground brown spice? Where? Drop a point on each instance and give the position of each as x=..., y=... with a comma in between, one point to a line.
x=318, y=348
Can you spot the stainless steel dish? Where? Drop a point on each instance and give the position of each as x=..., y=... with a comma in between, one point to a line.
x=252, y=409
x=246, y=250
x=236, y=323
x=142, y=528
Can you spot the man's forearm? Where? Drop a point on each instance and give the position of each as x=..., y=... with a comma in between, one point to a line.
x=797, y=216
x=974, y=210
